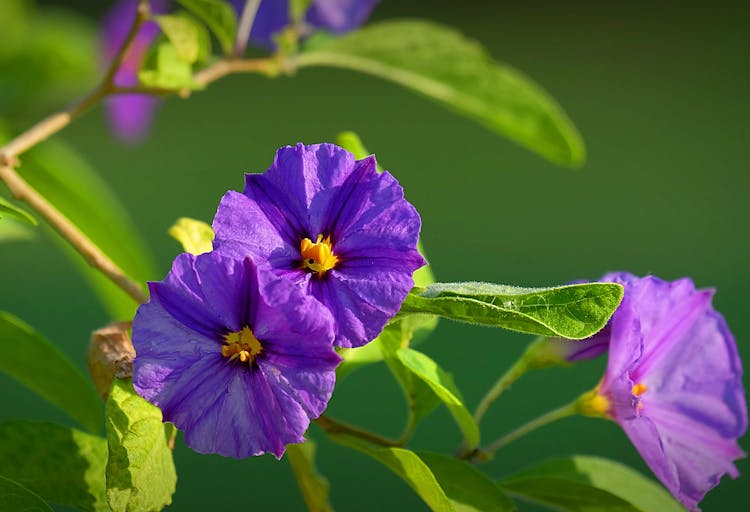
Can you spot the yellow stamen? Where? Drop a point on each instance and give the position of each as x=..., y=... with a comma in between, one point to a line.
x=318, y=256
x=639, y=389
x=242, y=345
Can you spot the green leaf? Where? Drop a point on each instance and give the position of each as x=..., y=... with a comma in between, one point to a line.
x=220, y=18
x=164, y=68
x=140, y=471
x=443, y=65
x=17, y=212
x=591, y=484
x=59, y=174
x=16, y=498
x=39, y=365
x=573, y=311
x=195, y=236
x=313, y=486
x=351, y=142
x=467, y=488
x=183, y=32
x=406, y=465
x=60, y=464
x=419, y=395
x=443, y=386
x=14, y=231
x=443, y=483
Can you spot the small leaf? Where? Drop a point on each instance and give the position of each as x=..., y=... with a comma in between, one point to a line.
x=39, y=365
x=140, y=471
x=195, y=236
x=351, y=142
x=313, y=486
x=164, y=68
x=590, y=484
x=573, y=311
x=182, y=32
x=15, y=231
x=16, y=498
x=60, y=464
x=419, y=395
x=220, y=18
x=468, y=489
x=61, y=175
x=443, y=65
x=406, y=465
x=443, y=386
x=19, y=213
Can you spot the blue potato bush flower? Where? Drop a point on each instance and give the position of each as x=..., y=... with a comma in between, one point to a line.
x=334, y=226
x=237, y=358
x=674, y=384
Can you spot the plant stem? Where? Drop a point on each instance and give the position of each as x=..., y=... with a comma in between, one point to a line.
x=93, y=255
x=143, y=11
x=545, y=419
x=332, y=426
x=511, y=375
x=245, y=26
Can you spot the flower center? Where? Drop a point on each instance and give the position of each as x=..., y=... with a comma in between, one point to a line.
x=637, y=391
x=318, y=256
x=242, y=345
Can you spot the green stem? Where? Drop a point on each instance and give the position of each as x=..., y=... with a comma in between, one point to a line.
x=331, y=426
x=545, y=419
x=510, y=376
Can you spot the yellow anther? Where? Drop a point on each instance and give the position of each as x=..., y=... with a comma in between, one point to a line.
x=318, y=256
x=639, y=389
x=242, y=345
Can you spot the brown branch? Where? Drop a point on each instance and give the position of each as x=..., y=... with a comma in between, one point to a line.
x=331, y=426
x=93, y=255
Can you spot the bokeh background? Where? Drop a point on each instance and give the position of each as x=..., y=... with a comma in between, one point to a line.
x=659, y=91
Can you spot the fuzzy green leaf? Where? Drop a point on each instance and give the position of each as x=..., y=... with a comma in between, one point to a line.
x=219, y=16
x=313, y=486
x=590, y=484
x=61, y=175
x=573, y=311
x=36, y=363
x=443, y=386
x=19, y=213
x=14, y=497
x=140, y=471
x=443, y=65
x=60, y=464
x=195, y=236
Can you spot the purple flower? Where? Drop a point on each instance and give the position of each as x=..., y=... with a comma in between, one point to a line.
x=237, y=358
x=129, y=114
x=337, y=16
x=674, y=384
x=334, y=226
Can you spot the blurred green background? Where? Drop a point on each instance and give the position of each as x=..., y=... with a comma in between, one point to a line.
x=659, y=91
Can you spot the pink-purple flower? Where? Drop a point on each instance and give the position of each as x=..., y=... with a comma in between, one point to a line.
x=129, y=114
x=334, y=226
x=674, y=384
x=337, y=16
x=237, y=358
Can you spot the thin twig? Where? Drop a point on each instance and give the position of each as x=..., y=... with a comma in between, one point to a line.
x=245, y=26
x=93, y=255
x=143, y=11
x=332, y=426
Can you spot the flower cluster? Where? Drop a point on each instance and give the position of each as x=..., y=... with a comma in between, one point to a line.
x=236, y=346
x=673, y=383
